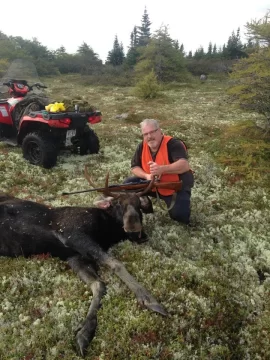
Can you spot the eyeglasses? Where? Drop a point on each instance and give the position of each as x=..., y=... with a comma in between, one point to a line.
x=150, y=132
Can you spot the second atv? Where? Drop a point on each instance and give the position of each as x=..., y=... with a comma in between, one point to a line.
x=41, y=134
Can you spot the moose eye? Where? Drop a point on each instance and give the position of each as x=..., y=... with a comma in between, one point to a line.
x=117, y=205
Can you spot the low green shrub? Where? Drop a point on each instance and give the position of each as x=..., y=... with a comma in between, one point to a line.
x=148, y=87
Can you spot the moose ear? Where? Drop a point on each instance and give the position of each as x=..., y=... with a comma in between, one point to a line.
x=103, y=203
x=146, y=205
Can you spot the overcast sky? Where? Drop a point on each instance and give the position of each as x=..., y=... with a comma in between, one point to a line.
x=70, y=23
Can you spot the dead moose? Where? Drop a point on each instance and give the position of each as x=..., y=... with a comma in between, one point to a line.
x=81, y=236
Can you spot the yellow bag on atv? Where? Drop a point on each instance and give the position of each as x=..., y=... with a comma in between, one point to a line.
x=56, y=107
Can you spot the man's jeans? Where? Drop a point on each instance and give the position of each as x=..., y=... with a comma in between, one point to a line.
x=181, y=209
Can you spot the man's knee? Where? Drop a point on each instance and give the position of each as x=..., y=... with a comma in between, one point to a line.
x=181, y=209
x=182, y=217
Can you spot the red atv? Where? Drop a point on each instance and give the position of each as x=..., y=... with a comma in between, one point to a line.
x=25, y=122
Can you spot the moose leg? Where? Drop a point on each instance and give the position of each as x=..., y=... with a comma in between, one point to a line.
x=143, y=296
x=86, y=329
x=93, y=251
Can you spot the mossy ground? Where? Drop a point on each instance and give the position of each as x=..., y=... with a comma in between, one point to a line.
x=213, y=277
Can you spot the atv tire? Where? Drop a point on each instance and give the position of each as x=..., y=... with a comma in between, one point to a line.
x=39, y=149
x=1, y=130
x=89, y=143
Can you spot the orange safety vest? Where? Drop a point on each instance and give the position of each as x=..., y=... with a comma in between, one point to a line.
x=162, y=158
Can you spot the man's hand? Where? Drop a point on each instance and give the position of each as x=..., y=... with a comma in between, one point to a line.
x=149, y=177
x=139, y=172
x=155, y=169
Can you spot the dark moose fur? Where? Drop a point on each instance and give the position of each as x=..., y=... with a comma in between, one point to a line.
x=80, y=235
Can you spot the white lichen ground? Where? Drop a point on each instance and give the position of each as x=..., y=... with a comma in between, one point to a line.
x=206, y=275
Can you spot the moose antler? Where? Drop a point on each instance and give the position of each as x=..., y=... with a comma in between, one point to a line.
x=147, y=189
x=88, y=177
x=106, y=191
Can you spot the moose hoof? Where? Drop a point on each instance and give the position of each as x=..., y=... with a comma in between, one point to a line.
x=85, y=333
x=157, y=308
x=148, y=301
x=81, y=344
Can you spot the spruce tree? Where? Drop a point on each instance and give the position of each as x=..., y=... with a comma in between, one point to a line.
x=133, y=53
x=210, y=50
x=60, y=51
x=182, y=49
x=134, y=37
x=144, y=30
x=251, y=75
x=214, y=51
x=235, y=47
x=85, y=49
x=224, y=52
x=258, y=31
x=162, y=57
x=89, y=61
x=199, y=53
x=116, y=56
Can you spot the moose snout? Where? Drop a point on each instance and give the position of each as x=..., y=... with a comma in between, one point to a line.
x=133, y=225
x=135, y=233
x=138, y=237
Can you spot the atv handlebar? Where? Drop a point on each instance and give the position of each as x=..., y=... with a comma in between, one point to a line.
x=13, y=81
x=37, y=85
x=24, y=82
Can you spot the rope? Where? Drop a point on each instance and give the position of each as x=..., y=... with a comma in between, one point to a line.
x=172, y=202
